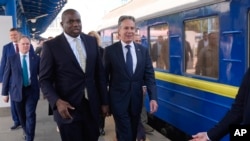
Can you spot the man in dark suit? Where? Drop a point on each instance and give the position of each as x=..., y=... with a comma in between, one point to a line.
x=9, y=50
x=24, y=89
x=73, y=80
x=238, y=114
x=128, y=67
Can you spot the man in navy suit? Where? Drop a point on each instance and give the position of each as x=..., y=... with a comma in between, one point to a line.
x=239, y=114
x=128, y=67
x=23, y=89
x=9, y=50
x=73, y=80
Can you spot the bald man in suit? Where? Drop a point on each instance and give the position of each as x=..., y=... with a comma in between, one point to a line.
x=72, y=79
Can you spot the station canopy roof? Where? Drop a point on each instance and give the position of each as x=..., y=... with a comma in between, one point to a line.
x=38, y=14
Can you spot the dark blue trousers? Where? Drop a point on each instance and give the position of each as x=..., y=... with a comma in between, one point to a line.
x=14, y=113
x=27, y=113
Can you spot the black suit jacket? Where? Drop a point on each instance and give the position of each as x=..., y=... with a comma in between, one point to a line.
x=62, y=77
x=238, y=114
x=123, y=89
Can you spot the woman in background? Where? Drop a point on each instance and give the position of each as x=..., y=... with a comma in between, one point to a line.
x=98, y=38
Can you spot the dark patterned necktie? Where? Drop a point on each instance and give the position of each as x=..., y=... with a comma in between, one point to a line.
x=129, y=61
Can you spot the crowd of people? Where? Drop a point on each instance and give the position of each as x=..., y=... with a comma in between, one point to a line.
x=82, y=88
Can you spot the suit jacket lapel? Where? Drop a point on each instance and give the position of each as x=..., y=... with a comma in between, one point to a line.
x=18, y=63
x=68, y=51
x=12, y=48
x=139, y=57
x=87, y=49
x=120, y=57
x=31, y=61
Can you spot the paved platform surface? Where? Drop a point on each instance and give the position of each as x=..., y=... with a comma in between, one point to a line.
x=46, y=127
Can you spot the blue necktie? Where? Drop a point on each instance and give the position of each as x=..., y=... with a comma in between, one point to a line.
x=129, y=61
x=25, y=72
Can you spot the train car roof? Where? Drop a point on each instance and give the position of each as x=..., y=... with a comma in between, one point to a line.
x=146, y=9
x=37, y=14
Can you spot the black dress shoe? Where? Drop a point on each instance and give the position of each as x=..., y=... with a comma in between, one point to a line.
x=15, y=127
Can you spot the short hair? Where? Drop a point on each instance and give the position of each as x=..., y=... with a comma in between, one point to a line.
x=23, y=36
x=125, y=17
x=68, y=11
x=14, y=29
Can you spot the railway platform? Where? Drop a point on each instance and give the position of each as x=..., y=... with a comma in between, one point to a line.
x=46, y=127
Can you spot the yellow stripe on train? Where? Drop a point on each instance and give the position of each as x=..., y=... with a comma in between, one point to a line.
x=212, y=87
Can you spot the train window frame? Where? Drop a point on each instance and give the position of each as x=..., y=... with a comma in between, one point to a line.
x=166, y=64
x=210, y=28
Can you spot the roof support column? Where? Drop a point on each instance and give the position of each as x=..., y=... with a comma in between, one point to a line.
x=11, y=11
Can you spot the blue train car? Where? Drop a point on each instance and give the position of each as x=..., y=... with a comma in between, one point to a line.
x=196, y=86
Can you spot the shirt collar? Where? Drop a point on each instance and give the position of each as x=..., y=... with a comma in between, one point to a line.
x=124, y=44
x=69, y=38
x=21, y=54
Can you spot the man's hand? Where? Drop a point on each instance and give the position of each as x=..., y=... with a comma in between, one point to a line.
x=105, y=110
x=153, y=106
x=63, y=108
x=5, y=99
x=202, y=136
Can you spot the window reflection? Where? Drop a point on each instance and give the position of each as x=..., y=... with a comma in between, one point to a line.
x=159, y=46
x=202, y=36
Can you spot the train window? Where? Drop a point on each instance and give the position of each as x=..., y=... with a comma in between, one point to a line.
x=115, y=37
x=159, y=46
x=201, y=49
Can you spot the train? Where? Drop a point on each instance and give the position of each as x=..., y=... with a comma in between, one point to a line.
x=190, y=102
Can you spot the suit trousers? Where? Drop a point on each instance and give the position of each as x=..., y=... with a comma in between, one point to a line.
x=14, y=113
x=126, y=126
x=27, y=112
x=83, y=127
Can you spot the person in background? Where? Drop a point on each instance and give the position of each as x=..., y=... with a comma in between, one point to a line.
x=201, y=44
x=207, y=63
x=128, y=67
x=72, y=78
x=237, y=115
x=101, y=50
x=39, y=48
x=143, y=126
x=22, y=70
x=11, y=49
x=156, y=52
x=165, y=52
x=188, y=54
